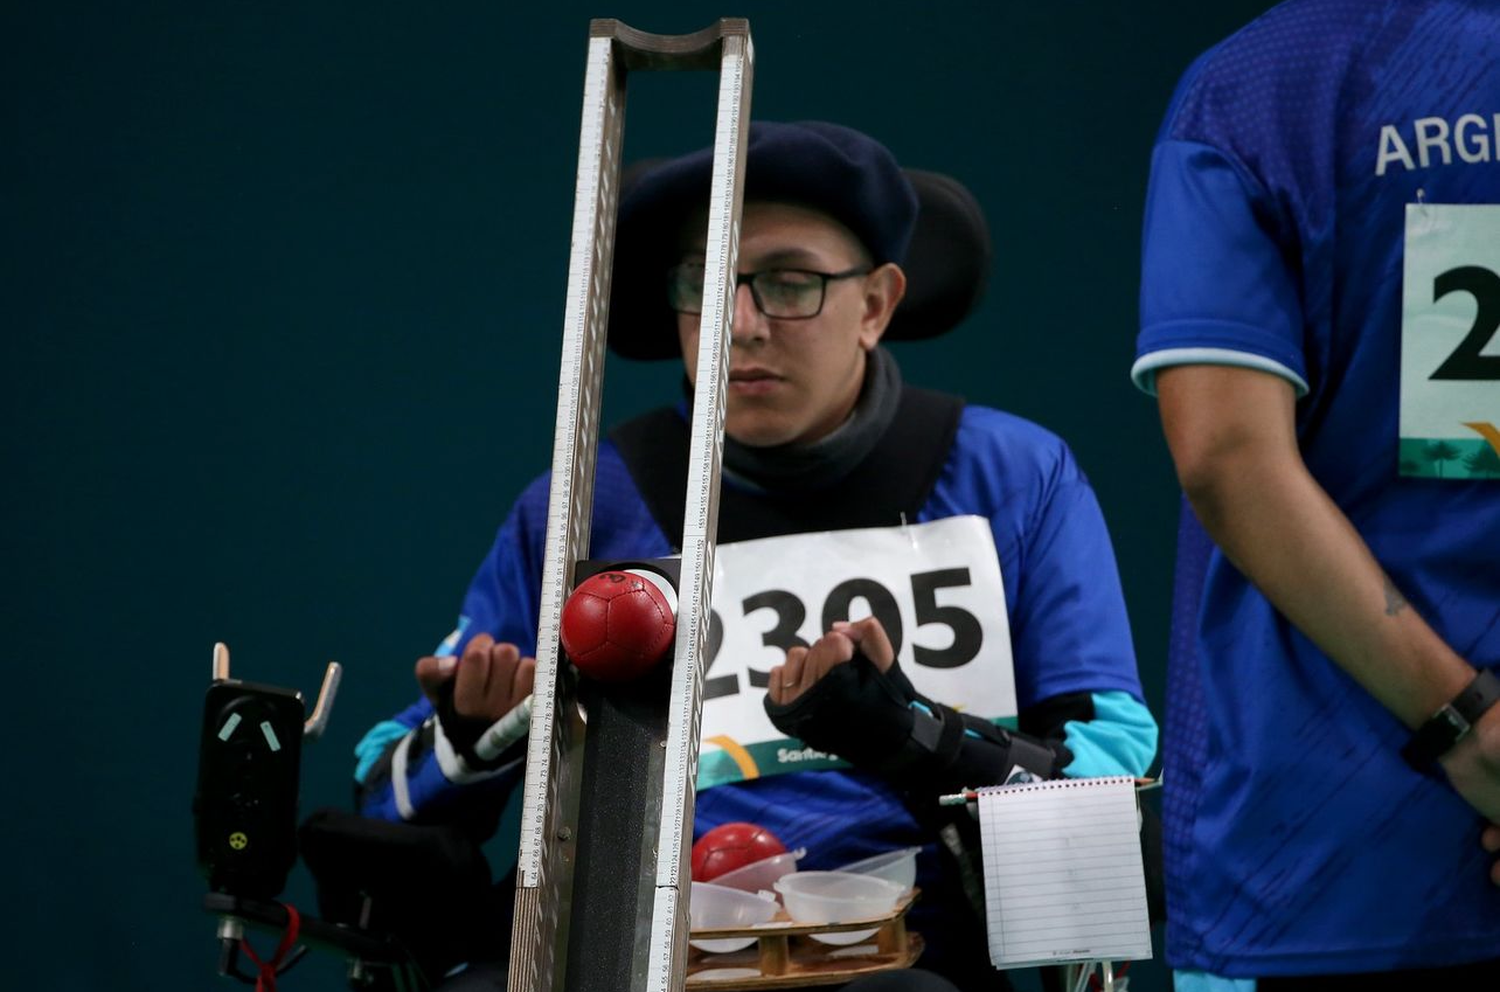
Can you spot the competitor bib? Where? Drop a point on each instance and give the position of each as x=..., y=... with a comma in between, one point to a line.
x=1450, y=342
x=935, y=587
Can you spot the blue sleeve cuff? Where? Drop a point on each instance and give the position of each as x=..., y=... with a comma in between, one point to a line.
x=1143, y=373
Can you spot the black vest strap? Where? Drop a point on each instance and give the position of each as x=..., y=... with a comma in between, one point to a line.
x=894, y=479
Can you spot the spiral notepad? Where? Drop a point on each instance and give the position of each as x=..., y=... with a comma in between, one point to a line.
x=1063, y=878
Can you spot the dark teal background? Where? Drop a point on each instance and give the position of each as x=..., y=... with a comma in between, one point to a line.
x=282, y=293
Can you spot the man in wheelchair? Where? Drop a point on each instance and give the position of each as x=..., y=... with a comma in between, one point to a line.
x=841, y=250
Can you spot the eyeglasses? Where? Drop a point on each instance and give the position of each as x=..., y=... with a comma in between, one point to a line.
x=783, y=294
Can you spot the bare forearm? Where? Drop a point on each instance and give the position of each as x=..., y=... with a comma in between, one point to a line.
x=1234, y=443
x=1278, y=526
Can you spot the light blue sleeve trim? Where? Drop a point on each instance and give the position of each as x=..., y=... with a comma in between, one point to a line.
x=449, y=645
x=1119, y=740
x=374, y=744
x=1143, y=373
x=1202, y=981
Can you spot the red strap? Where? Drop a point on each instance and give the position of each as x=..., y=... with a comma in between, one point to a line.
x=1096, y=983
x=265, y=981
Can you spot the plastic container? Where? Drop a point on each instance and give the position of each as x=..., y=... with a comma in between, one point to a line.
x=837, y=897
x=762, y=874
x=712, y=906
x=893, y=866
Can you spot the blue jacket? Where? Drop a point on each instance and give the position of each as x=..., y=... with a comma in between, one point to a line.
x=1068, y=627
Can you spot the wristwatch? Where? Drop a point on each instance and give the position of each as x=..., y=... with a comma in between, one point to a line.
x=1448, y=725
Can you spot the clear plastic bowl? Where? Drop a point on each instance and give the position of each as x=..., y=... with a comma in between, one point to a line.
x=837, y=897
x=762, y=874
x=713, y=906
x=893, y=866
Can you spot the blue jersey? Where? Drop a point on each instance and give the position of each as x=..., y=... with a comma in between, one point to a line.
x=1068, y=627
x=1297, y=840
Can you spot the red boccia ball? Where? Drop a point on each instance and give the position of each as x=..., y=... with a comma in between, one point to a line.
x=617, y=626
x=730, y=846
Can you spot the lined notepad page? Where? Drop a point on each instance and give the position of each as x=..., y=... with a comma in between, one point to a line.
x=1063, y=879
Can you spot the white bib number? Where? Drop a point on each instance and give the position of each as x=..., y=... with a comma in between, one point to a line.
x=935, y=587
x=1450, y=342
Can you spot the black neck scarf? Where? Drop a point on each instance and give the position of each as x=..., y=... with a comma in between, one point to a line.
x=824, y=462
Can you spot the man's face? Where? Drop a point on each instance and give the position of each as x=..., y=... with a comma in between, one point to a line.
x=796, y=380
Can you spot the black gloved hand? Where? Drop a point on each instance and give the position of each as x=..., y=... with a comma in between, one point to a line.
x=855, y=712
x=877, y=721
x=464, y=732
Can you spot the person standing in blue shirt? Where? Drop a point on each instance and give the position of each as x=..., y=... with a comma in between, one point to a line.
x=822, y=437
x=1319, y=305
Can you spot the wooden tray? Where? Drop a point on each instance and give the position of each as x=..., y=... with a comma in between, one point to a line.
x=785, y=956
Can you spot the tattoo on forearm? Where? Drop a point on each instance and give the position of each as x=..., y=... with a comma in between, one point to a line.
x=1394, y=601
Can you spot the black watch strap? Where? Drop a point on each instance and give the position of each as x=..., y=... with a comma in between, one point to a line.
x=1448, y=725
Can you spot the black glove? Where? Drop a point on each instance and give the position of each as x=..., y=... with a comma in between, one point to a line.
x=463, y=732
x=877, y=721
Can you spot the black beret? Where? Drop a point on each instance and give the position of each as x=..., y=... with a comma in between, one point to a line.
x=837, y=170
